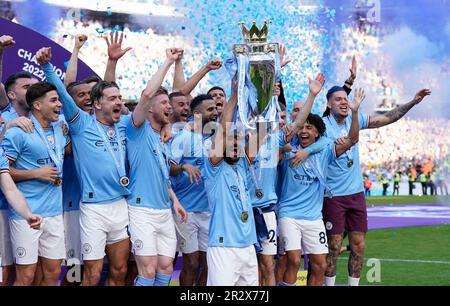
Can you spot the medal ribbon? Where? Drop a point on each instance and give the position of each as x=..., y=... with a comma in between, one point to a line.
x=56, y=155
x=163, y=162
x=241, y=186
x=119, y=164
x=349, y=153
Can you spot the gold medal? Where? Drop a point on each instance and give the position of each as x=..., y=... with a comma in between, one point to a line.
x=259, y=193
x=244, y=216
x=58, y=181
x=124, y=181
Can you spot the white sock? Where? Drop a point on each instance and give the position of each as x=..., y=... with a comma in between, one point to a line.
x=329, y=281
x=353, y=281
x=284, y=284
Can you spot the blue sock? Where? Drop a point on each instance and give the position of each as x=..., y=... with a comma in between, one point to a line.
x=162, y=279
x=142, y=281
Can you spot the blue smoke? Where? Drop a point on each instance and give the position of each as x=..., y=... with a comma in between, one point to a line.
x=37, y=15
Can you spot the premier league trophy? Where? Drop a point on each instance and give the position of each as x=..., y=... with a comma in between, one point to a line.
x=257, y=65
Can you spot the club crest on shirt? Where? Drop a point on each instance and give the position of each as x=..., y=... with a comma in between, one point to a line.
x=307, y=166
x=51, y=139
x=110, y=132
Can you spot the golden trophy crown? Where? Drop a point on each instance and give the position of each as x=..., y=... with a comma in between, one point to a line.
x=254, y=35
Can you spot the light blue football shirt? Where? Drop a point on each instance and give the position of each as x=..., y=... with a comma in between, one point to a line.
x=264, y=173
x=9, y=113
x=301, y=193
x=29, y=152
x=4, y=167
x=227, y=190
x=146, y=153
x=190, y=148
x=96, y=169
x=71, y=186
x=97, y=172
x=344, y=180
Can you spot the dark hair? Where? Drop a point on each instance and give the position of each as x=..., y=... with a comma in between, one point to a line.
x=37, y=91
x=11, y=80
x=317, y=122
x=326, y=113
x=175, y=94
x=329, y=93
x=214, y=88
x=72, y=85
x=97, y=90
x=198, y=100
x=91, y=79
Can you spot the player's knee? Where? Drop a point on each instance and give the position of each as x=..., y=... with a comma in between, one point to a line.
x=165, y=269
x=119, y=270
x=358, y=248
x=267, y=265
x=334, y=247
x=91, y=275
x=358, y=245
x=293, y=263
x=148, y=273
x=25, y=280
x=25, y=277
x=91, y=279
x=319, y=267
x=191, y=266
x=52, y=272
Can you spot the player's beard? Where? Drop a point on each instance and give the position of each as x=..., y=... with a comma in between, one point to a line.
x=231, y=160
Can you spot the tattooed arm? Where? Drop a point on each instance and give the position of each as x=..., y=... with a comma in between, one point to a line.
x=397, y=113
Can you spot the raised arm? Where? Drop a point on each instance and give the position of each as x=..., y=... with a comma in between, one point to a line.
x=43, y=56
x=349, y=82
x=218, y=148
x=140, y=113
x=72, y=67
x=397, y=113
x=213, y=64
x=115, y=52
x=5, y=42
x=353, y=134
x=315, y=86
x=178, y=77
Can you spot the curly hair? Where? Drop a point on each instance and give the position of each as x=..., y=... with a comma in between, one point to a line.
x=317, y=121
